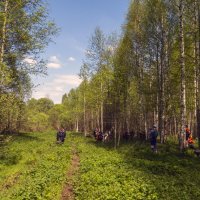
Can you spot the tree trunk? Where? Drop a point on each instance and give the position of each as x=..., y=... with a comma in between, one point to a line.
x=102, y=116
x=198, y=126
x=5, y=19
x=102, y=107
x=77, y=125
x=195, y=66
x=158, y=88
x=92, y=121
x=98, y=120
x=119, y=133
x=84, y=115
x=115, y=133
x=198, y=76
x=182, y=66
x=161, y=86
x=175, y=126
x=145, y=126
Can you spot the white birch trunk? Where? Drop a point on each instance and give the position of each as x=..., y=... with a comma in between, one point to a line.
x=84, y=115
x=92, y=120
x=77, y=125
x=198, y=76
x=182, y=66
x=4, y=31
x=2, y=48
x=102, y=107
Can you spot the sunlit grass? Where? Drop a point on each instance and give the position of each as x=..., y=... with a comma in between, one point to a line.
x=33, y=166
x=134, y=172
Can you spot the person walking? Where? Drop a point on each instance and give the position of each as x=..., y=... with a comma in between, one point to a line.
x=153, y=139
x=187, y=134
x=61, y=135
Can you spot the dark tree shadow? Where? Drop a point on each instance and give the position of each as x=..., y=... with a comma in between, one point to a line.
x=12, y=157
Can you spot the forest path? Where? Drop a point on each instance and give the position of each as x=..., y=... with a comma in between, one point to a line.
x=67, y=192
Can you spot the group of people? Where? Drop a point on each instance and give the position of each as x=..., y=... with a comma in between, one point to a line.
x=190, y=142
x=100, y=136
x=153, y=134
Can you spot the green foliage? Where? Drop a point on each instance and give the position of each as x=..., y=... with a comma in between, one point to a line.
x=134, y=172
x=37, y=114
x=44, y=105
x=25, y=31
x=58, y=116
x=38, y=121
x=11, y=112
x=33, y=166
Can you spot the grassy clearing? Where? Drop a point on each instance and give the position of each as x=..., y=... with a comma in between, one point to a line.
x=33, y=167
x=134, y=172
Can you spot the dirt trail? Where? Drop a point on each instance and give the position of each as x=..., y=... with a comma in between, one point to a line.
x=67, y=192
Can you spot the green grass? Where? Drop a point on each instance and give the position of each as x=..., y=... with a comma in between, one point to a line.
x=32, y=167
x=134, y=172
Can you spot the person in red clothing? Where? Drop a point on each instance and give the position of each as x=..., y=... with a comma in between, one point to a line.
x=190, y=142
x=187, y=131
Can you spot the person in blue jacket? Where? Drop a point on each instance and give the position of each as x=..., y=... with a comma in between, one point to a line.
x=61, y=135
x=153, y=138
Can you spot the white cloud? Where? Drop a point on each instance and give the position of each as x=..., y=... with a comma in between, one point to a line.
x=57, y=87
x=30, y=61
x=54, y=59
x=54, y=63
x=72, y=80
x=71, y=59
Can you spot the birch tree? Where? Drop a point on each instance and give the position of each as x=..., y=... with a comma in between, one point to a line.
x=182, y=67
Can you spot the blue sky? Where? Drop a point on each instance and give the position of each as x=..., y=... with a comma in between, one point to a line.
x=77, y=20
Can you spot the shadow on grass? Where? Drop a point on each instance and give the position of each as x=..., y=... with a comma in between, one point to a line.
x=11, y=156
x=174, y=175
x=168, y=161
x=27, y=137
x=7, y=138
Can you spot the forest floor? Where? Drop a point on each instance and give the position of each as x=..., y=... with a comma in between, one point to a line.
x=33, y=166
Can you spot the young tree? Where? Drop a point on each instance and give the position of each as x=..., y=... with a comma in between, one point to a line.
x=84, y=75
